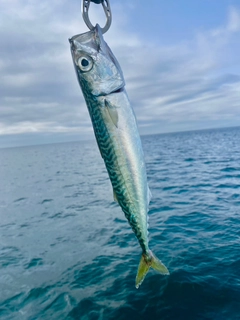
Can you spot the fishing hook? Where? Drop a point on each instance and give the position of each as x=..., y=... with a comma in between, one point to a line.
x=107, y=11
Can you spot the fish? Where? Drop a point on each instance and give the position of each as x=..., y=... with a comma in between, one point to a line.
x=115, y=127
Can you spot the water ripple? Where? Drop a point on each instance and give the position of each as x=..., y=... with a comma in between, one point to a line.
x=67, y=251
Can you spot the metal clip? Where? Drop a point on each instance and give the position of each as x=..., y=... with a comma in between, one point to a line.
x=106, y=8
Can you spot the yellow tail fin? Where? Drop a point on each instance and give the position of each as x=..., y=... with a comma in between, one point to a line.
x=147, y=261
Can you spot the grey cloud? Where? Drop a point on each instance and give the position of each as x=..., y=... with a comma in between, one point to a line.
x=171, y=88
x=38, y=84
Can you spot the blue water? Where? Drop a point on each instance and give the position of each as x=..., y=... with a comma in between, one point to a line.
x=67, y=251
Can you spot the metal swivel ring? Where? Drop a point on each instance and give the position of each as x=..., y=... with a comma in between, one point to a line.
x=107, y=11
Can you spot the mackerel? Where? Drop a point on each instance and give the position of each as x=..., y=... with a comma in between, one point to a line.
x=101, y=80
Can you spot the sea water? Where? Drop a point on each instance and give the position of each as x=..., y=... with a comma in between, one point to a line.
x=67, y=251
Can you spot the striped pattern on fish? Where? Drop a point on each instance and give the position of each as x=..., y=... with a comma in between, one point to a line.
x=116, y=132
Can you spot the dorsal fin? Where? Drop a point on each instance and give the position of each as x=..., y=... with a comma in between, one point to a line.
x=115, y=196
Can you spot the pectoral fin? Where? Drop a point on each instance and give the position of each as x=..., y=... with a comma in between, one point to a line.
x=112, y=111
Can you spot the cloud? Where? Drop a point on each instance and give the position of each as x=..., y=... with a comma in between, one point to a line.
x=183, y=86
x=234, y=20
x=187, y=86
x=38, y=90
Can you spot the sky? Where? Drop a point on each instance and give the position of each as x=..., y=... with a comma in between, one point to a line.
x=180, y=60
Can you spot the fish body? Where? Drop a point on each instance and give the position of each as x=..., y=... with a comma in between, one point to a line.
x=115, y=127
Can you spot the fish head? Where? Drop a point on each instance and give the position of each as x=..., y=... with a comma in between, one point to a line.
x=97, y=69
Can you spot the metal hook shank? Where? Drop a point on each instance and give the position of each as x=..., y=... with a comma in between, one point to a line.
x=107, y=11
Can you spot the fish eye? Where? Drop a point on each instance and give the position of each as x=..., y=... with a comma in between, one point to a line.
x=85, y=63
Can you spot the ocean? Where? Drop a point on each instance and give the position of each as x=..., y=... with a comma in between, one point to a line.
x=67, y=251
